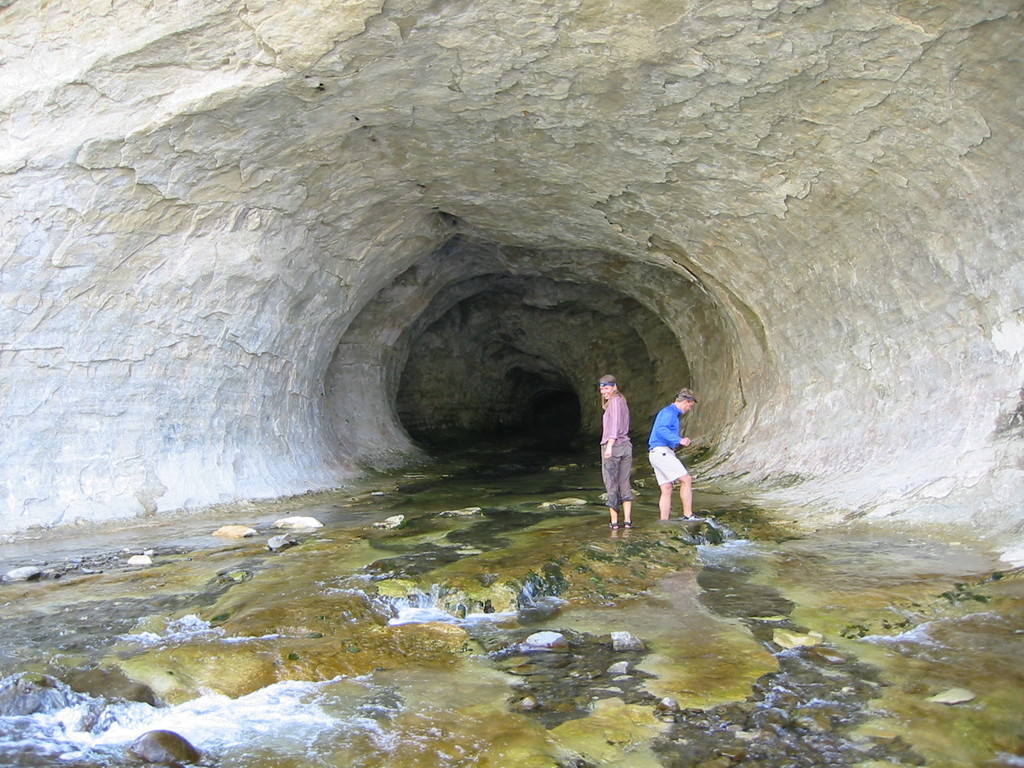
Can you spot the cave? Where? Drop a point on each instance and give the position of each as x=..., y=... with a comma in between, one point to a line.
x=253, y=251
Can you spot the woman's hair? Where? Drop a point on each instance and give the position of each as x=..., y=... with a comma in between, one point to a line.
x=609, y=379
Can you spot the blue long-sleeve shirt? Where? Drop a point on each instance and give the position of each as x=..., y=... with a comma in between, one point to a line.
x=665, y=432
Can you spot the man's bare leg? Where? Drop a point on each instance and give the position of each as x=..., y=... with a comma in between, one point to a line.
x=627, y=512
x=686, y=495
x=665, y=502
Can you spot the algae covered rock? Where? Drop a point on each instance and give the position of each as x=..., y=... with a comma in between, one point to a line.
x=181, y=673
x=786, y=638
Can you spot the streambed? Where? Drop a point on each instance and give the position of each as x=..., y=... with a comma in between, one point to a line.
x=759, y=645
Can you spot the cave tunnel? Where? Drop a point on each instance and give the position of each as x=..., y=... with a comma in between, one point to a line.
x=520, y=356
x=249, y=252
x=504, y=344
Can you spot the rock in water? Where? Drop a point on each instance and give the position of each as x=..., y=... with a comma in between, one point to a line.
x=165, y=748
x=298, y=523
x=788, y=639
x=562, y=503
x=28, y=573
x=27, y=694
x=626, y=641
x=953, y=696
x=277, y=543
x=544, y=641
x=619, y=668
x=465, y=512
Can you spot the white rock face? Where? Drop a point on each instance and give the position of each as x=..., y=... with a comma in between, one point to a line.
x=239, y=244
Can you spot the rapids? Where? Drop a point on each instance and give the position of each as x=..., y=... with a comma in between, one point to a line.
x=763, y=644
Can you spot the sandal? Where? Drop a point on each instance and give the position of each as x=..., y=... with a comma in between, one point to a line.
x=613, y=526
x=628, y=525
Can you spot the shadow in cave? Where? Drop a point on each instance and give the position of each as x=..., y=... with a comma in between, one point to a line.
x=552, y=422
x=547, y=425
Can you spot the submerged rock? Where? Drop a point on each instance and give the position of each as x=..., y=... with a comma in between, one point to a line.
x=165, y=748
x=298, y=523
x=177, y=673
x=563, y=503
x=395, y=521
x=396, y=587
x=787, y=638
x=111, y=683
x=465, y=512
x=953, y=696
x=235, y=532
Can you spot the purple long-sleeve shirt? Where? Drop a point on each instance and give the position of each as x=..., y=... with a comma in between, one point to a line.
x=616, y=421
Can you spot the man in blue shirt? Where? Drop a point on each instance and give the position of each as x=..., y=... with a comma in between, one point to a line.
x=663, y=443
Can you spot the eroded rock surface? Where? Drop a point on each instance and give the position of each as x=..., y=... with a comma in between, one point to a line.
x=246, y=249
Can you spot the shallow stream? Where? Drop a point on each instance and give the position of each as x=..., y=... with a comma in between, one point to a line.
x=492, y=627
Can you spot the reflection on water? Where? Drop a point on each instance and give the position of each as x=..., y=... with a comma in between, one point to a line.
x=367, y=646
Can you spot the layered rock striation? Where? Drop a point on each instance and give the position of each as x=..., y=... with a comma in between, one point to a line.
x=247, y=248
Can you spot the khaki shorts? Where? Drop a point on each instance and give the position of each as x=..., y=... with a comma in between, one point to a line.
x=667, y=466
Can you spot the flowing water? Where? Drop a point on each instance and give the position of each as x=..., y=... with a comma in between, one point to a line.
x=490, y=629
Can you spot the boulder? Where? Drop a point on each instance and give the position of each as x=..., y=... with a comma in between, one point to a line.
x=164, y=748
x=26, y=573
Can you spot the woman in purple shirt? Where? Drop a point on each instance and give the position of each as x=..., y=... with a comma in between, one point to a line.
x=616, y=452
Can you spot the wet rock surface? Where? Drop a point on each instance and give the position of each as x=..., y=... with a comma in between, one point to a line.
x=655, y=639
x=564, y=683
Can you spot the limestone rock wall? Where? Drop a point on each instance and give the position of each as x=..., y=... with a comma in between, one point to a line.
x=229, y=231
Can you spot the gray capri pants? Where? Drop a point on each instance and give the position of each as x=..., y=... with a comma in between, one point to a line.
x=615, y=473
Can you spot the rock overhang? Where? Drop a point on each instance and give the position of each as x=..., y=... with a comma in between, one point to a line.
x=809, y=202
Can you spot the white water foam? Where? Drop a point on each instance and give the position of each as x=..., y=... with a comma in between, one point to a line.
x=187, y=629
x=730, y=552
x=284, y=718
x=419, y=608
